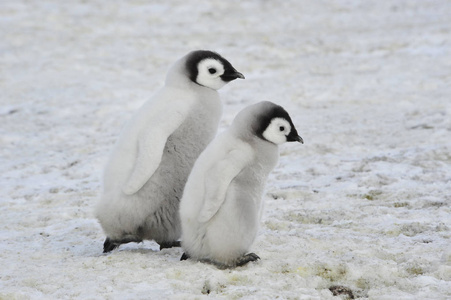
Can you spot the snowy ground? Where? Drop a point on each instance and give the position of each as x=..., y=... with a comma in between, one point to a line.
x=365, y=203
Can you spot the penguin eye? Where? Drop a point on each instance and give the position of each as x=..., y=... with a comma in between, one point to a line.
x=212, y=70
x=281, y=128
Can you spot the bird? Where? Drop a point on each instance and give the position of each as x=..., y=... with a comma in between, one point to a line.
x=221, y=206
x=144, y=177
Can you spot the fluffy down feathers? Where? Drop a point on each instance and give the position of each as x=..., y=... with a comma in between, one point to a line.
x=145, y=176
x=222, y=202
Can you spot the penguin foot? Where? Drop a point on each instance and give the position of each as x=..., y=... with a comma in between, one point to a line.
x=246, y=259
x=184, y=257
x=169, y=245
x=109, y=245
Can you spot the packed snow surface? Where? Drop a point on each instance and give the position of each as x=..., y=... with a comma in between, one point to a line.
x=364, y=204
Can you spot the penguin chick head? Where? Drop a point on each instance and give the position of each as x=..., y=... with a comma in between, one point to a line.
x=209, y=69
x=272, y=123
x=281, y=130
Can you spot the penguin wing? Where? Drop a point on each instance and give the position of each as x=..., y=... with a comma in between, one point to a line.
x=151, y=144
x=218, y=179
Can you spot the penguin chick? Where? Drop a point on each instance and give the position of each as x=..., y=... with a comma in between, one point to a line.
x=221, y=205
x=144, y=178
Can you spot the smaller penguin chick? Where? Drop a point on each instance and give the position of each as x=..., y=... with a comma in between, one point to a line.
x=221, y=207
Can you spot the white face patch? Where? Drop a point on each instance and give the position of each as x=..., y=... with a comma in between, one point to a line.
x=209, y=72
x=277, y=131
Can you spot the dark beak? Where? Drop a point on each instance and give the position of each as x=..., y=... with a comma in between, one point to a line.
x=230, y=75
x=299, y=139
x=239, y=75
x=295, y=138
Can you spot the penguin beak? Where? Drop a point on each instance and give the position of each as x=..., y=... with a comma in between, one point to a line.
x=239, y=75
x=295, y=138
x=299, y=139
x=230, y=75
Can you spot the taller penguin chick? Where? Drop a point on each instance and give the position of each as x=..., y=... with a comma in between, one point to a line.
x=221, y=205
x=147, y=171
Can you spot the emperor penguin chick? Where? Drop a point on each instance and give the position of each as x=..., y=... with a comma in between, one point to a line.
x=147, y=171
x=221, y=205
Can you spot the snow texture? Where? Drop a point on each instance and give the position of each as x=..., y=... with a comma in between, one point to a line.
x=365, y=203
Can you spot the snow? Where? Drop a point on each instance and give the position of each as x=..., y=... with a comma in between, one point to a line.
x=364, y=203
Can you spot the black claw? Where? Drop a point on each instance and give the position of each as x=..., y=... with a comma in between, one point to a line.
x=254, y=256
x=247, y=258
x=184, y=257
x=109, y=246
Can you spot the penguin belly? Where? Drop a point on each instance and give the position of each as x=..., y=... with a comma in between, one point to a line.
x=163, y=191
x=232, y=231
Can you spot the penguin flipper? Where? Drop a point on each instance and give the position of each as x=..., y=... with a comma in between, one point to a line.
x=150, y=149
x=150, y=152
x=218, y=179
